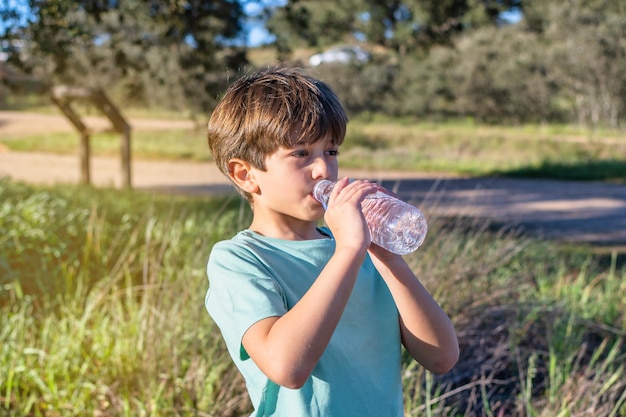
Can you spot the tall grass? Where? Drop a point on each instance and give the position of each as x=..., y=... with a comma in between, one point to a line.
x=102, y=291
x=103, y=295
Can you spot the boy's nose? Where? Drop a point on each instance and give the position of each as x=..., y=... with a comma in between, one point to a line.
x=321, y=169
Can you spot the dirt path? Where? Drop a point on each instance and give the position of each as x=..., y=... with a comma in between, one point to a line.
x=589, y=212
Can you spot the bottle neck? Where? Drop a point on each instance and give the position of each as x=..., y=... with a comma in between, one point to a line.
x=321, y=191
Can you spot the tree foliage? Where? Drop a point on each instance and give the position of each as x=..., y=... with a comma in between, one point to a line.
x=404, y=26
x=588, y=58
x=565, y=61
x=166, y=52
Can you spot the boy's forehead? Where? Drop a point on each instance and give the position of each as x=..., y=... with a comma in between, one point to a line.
x=326, y=138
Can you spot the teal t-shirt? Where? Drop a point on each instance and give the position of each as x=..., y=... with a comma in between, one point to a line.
x=252, y=277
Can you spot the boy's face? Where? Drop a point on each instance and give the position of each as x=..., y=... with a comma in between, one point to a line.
x=284, y=197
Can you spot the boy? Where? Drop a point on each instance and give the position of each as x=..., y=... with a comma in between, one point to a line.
x=314, y=318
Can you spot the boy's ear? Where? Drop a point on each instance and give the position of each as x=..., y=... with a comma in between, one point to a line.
x=242, y=174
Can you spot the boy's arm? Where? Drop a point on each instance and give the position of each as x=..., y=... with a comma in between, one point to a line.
x=287, y=348
x=427, y=331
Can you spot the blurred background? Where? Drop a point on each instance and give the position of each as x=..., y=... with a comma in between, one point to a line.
x=495, y=61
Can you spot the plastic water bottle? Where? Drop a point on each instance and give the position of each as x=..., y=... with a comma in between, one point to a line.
x=394, y=225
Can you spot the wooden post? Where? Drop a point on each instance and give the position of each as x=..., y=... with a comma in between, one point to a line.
x=125, y=151
x=85, y=157
x=121, y=126
x=62, y=97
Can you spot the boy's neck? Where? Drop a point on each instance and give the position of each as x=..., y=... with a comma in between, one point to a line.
x=305, y=231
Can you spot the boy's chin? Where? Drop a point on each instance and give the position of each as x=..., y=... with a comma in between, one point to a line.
x=314, y=218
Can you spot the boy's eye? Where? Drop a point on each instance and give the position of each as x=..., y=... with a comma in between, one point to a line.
x=332, y=152
x=301, y=153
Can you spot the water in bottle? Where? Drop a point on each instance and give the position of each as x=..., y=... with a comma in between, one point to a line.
x=394, y=225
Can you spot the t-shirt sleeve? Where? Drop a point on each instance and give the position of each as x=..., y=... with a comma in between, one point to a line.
x=241, y=292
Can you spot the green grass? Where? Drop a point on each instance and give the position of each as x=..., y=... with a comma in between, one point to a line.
x=469, y=149
x=460, y=147
x=102, y=291
x=165, y=145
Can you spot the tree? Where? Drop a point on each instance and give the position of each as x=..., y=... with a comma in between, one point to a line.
x=588, y=58
x=164, y=52
x=311, y=23
x=402, y=26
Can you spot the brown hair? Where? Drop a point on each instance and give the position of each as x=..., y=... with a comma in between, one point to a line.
x=276, y=107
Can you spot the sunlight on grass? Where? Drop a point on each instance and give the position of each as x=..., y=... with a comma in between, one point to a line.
x=102, y=297
x=465, y=148
x=164, y=145
x=458, y=147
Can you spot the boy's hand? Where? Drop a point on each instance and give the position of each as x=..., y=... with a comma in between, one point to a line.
x=344, y=215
